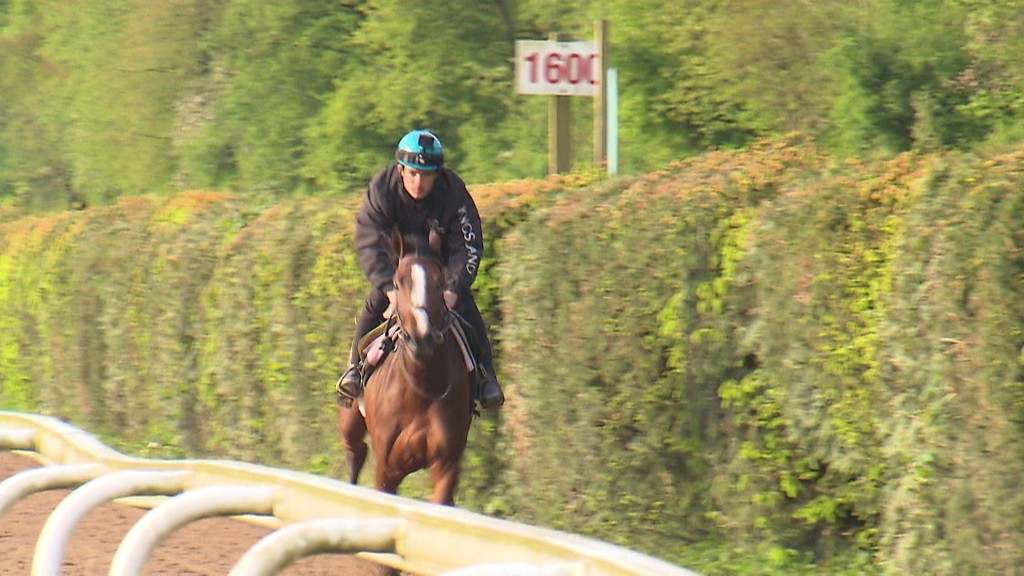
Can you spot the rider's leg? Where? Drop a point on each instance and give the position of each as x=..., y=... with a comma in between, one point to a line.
x=491, y=395
x=350, y=386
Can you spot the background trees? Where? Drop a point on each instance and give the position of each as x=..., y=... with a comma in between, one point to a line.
x=103, y=98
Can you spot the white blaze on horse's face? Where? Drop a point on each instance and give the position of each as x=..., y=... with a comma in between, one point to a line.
x=419, y=300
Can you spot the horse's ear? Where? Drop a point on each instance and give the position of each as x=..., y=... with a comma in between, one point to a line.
x=397, y=243
x=434, y=240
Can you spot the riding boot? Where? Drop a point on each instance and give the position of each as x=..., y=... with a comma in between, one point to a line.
x=491, y=395
x=489, y=392
x=349, y=386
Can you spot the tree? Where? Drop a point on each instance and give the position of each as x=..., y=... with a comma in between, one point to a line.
x=125, y=67
x=272, y=64
x=767, y=56
x=994, y=79
x=412, y=66
x=672, y=98
x=895, y=68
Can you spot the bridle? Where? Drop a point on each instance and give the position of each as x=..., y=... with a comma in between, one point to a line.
x=410, y=344
x=435, y=337
x=437, y=334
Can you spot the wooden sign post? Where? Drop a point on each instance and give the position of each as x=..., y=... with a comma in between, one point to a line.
x=561, y=68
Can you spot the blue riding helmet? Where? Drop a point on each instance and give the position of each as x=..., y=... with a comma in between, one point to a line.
x=421, y=150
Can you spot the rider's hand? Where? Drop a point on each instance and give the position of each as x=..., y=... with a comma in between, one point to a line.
x=450, y=299
x=392, y=299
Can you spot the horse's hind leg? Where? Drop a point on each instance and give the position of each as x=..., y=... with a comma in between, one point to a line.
x=352, y=430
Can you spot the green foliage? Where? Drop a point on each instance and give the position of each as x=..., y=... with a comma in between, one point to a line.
x=402, y=75
x=956, y=370
x=213, y=323
x=902, y=75
x=34, y=171
x=672, y=97
x=270, y=66
x=124, y=68
x=105, y=98
x=811, y=449
x=619, y=316
x=754, y=362
x=767, y=59
x=993, y=78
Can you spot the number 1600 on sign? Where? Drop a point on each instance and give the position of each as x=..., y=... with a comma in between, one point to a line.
x=559, y=68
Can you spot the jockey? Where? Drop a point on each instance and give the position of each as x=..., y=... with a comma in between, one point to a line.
x=417, y=194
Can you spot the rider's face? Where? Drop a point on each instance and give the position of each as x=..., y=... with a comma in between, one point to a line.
x=418, y=183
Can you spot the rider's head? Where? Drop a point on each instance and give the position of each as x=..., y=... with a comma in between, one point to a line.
x=419, y=156
x=421, y=150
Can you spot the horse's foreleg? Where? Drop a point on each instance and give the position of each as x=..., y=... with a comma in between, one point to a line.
x=444, y=476
x=356, y=459
x=387, y=480
x=352, y=430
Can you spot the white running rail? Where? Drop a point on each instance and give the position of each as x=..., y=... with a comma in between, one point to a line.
x=311, y=514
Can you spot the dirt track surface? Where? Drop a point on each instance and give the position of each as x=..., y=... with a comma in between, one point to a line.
x=204, y=548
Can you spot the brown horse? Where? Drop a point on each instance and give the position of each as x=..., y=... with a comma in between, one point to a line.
x=417, y=402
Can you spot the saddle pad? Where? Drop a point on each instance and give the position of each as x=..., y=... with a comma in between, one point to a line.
x=375, y=350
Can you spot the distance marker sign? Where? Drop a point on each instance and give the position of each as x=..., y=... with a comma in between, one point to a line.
x=556, y=68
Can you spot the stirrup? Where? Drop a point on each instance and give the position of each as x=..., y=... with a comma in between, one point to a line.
x=344, y=390
x=488, y=380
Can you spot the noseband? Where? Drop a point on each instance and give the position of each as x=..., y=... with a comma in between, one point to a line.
x=435, y=337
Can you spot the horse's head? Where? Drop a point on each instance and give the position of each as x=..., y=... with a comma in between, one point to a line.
x=423, y=318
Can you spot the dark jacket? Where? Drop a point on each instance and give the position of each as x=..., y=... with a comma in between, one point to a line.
x=449, y=207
